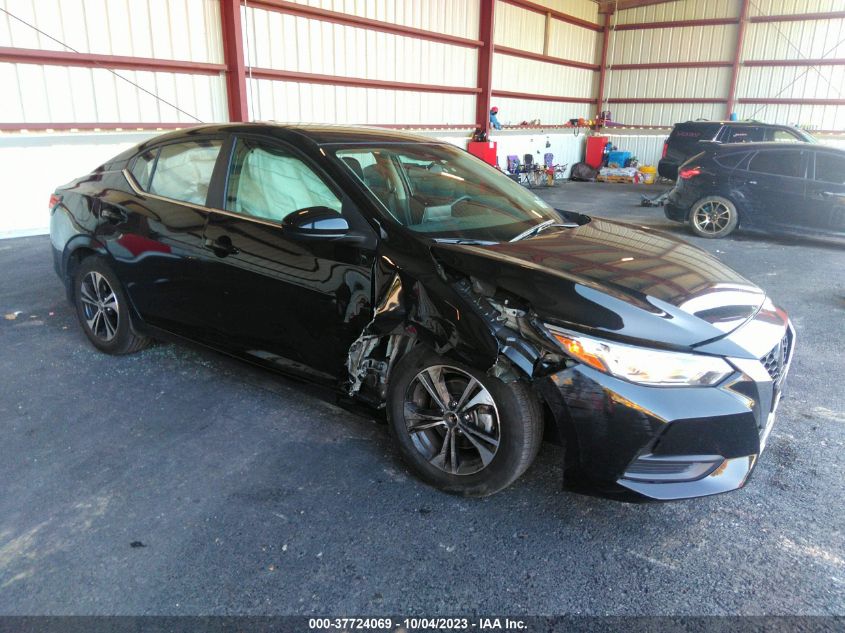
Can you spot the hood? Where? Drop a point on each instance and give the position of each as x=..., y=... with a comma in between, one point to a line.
x=610, y=277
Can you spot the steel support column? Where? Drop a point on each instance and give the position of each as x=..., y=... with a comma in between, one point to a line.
x=233, y=55
x=603, y=63
x=484, y=77
x=737, y=58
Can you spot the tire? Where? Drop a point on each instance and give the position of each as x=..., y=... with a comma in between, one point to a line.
x=497, y=426
x=103, y=309
x=713, y=217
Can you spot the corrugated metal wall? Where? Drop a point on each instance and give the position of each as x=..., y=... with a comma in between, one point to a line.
x=516, y=27
x=66, y=94
x=317, y=46
x=813, y=39
x=716, y=43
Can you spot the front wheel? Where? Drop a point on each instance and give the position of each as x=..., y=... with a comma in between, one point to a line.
x=460, y=430
x=713, y=217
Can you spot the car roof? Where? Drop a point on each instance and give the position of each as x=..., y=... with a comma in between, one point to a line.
x=740, y=123
x=770, y=145
x=318, y=134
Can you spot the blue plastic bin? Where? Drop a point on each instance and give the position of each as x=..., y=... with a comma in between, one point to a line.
x=618, y=158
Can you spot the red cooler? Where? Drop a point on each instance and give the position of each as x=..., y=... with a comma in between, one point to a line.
x=485, y=150
x=595, y=150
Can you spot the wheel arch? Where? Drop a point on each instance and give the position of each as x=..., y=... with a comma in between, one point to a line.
x=76, y=250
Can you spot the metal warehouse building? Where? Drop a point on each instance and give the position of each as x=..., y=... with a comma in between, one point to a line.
x=86, y=78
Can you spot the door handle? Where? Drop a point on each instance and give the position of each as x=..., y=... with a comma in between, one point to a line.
x=113, y=215
x=752, y=182
x=222, y=246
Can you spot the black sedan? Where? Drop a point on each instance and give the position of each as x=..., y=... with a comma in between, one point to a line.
x=413, y=277
x=775, y=187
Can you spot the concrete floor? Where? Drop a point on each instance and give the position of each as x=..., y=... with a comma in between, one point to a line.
x=178, y=481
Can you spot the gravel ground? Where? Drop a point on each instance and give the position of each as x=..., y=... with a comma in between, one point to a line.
x=178, y=481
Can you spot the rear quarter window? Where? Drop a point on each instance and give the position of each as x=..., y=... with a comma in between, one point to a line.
x=731, y=160
x=686, y=133
x=142, y=168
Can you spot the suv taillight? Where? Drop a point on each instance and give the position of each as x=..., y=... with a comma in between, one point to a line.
x=55, y=199
x=689, y=172
x=665, y=148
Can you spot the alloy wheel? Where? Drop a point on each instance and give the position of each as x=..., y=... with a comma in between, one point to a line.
x=99, y=306
x=452, y=420
x=712, y=217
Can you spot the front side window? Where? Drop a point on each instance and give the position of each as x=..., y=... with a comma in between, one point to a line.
x=270, y=183
x=779, y=163
x=183, y=170
x=444, y=192
x=830, y=168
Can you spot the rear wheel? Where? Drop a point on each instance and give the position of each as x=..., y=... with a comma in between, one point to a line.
x=103, y=309
x=713, y=217
x=460, y=430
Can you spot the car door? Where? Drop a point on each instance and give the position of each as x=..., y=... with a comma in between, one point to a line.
x=770, y=187
x=825, y=210
x=288, y=300
x=158, y=237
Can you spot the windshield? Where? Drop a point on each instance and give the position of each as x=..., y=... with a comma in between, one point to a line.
x=445, y=192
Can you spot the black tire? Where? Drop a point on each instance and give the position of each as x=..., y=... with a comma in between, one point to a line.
x=94, y=283
x=713, y=217
x=518, y=426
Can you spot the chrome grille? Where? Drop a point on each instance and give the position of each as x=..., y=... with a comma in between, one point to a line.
x=775, y=361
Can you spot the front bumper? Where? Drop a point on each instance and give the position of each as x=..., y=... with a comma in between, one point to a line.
x=634, y=441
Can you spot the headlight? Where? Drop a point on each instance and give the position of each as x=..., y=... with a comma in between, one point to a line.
x=642, y=365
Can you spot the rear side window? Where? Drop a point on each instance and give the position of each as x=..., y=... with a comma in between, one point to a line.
x=731, y=160
x=183, y=171
x=743, y=134
x=830, y=168
x=690, y=133
x=784, y=136
x=779, y=163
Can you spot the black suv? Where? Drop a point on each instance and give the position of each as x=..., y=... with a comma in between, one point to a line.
x=686, y=138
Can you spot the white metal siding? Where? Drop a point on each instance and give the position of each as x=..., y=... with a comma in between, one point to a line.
x=289, y=101
x=516, y=74
x=787, y=7
x=665, y=114
x=285, y=42
x=453, y=17
x=518, y=28
x=515, y=111
x=66, y=94
x=574, y=42
x=684, y=44
x=166, y=29
x=681, y=10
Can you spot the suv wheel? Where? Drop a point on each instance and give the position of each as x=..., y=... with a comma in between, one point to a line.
x=713, y=217
x=103, y=309
x=458, y=429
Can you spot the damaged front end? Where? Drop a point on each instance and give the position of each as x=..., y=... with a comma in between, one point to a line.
x=458, y=316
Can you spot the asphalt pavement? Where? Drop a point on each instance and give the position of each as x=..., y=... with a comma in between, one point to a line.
x=179, y=481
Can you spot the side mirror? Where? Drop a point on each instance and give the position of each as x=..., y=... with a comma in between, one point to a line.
x=315, y=222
